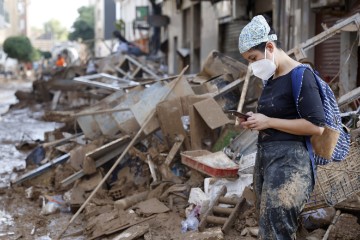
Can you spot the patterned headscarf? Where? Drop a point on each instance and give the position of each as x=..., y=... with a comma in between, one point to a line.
x=254, y=33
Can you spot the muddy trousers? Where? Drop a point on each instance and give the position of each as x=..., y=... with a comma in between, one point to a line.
x=283, y=182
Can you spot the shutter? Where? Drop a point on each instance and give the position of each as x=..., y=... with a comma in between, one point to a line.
x=327, y=53
x=229, y=38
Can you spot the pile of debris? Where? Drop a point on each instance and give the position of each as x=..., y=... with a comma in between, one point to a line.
x=144, y=155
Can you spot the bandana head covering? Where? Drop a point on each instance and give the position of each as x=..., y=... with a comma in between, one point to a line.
x=254, y=33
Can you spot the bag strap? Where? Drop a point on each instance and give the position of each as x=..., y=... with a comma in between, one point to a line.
x=296, y=83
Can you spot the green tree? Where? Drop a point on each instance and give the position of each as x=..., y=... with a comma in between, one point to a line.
x=83, y=27
x=56, y=30
x=36, y=54
x=19, y=47
x=46, y=54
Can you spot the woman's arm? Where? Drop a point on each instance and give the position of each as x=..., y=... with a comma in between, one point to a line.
x=301, y=126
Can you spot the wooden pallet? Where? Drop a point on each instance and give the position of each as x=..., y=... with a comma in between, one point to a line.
x=222, y=215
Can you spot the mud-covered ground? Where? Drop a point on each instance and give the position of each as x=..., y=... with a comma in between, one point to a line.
x=20, y=217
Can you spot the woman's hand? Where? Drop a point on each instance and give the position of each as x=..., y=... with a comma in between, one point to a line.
x=256, y=121
x=301, y=126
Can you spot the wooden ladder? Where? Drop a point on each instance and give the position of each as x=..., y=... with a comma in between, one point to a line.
x=224, y=215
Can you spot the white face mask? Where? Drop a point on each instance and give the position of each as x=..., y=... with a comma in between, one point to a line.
x=264, y=68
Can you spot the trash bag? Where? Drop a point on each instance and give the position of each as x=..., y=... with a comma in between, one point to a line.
x=191, y=223
x=36, y=156
x=53, y=204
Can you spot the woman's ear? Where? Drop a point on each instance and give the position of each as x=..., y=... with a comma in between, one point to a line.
x=270, y=46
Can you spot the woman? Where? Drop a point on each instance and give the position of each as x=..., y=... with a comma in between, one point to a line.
x=283, y=177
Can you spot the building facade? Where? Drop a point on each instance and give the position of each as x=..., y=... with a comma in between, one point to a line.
x=105, y=18
x=131, y=17
x=197, y=27
x=13, y=18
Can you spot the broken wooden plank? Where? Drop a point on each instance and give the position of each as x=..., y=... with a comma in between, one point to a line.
x=102, y=156
x=228, y=88
x=175, y=148
x=60, y=141
x=235, y=211
x=129, y=201
x=131, y=224
x=96, y=84
x=299, y=51
x=144, y=68
x=100, y=112
x=209, y=212
x=243, y=93
x=150, y=207
x=349, y=97
x=55, y=99
x=43, y=168
x=152, y=168
x=133, y=232
x=333, y=222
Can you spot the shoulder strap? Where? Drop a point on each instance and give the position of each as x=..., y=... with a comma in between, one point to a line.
x=296, y=82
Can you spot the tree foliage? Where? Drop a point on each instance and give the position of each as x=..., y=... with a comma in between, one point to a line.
x=46, y=54
x=19, y=47
x=83, y=27
x=36, y=54
x=56, y=30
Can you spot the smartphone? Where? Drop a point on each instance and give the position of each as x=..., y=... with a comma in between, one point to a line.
x=238, y=114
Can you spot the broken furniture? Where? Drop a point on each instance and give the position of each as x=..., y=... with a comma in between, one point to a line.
x=130, y=68
x=100, y=156
x=225, y=215
x=212, y=164
x=108, y=81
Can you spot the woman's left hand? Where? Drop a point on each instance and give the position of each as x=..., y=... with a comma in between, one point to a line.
x=257, y=121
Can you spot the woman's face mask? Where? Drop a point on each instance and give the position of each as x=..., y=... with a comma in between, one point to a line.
x=264, y=68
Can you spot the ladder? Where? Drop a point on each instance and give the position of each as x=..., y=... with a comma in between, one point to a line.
x=224, y=216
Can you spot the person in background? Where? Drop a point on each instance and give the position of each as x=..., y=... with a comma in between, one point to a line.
x=283, y=173
x=60, y=61
x=126, y=47
x=91, y=67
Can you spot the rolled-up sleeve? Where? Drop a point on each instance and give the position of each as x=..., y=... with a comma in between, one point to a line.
x=310, y=104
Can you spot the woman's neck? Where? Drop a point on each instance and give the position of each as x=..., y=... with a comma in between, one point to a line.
x=284, y=64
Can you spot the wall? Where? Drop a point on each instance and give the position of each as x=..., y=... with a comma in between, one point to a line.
x=209, y=31
x=291, y=22
x=13, y=27
x=110, y=19
x=100, y=49
x=201, y=33
x=2, y=14
x=174, y=35
x=127, y=14
x=349, y=61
